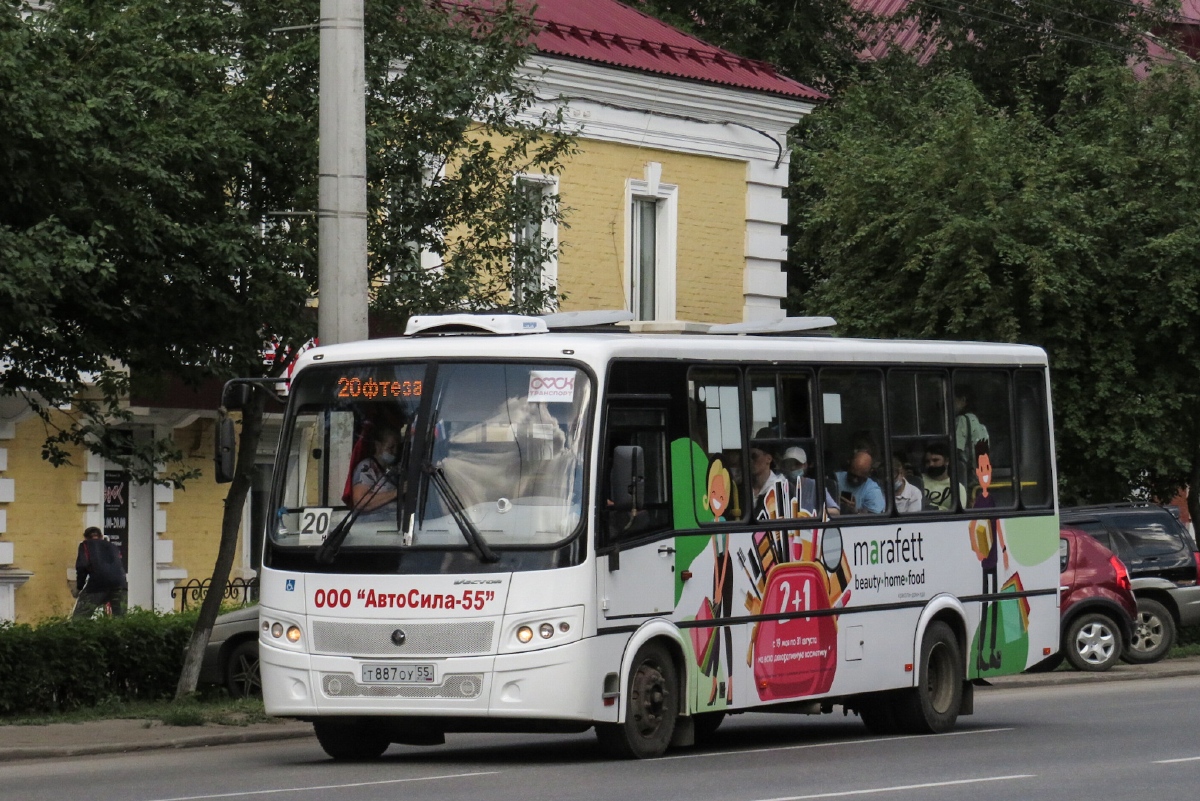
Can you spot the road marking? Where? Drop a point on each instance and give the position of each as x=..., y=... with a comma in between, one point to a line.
x=1170, y=761
x=901, y=787
x=857, y=741
x=247, y=793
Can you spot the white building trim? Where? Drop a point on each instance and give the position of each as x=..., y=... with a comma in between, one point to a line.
x=653, y=111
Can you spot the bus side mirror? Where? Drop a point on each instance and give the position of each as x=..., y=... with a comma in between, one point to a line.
x=628, y=478
x=236, y=395
x=226, y=444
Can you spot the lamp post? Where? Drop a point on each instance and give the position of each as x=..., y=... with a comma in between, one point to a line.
x=342, y=189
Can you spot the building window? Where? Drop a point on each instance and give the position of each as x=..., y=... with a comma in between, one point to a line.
x=650, y=225
x=535, y=244
x=642, y=259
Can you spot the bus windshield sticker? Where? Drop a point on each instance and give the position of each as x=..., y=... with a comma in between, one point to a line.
x=551, y=386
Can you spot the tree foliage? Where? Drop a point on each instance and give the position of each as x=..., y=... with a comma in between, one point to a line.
x=161, y=162
x=927, y=211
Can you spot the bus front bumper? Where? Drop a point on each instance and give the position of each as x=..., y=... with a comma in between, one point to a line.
x=562, y=683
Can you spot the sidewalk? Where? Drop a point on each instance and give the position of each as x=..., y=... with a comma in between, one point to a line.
x=57, y=740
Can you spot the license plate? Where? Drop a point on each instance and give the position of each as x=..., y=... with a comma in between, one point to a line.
x=399, y=674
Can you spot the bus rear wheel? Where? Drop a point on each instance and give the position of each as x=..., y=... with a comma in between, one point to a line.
x=651, y=707
x=932, y=706
x=351, y=741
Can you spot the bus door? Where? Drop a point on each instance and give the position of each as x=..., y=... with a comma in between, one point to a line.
x=637, y=564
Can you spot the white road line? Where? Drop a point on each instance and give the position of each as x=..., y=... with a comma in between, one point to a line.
x=1170, y=761
x=901, y=787
x=857, y=741
x=248, y=793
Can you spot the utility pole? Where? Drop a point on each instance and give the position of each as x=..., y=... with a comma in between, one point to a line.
x=342, y=190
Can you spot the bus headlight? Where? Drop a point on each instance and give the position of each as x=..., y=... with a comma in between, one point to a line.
x=293, y=634
x=553, y=627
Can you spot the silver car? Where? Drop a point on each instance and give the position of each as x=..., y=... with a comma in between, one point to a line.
x=231, y=658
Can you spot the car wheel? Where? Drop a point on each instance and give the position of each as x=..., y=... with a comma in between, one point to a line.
x=351, y=742
x=1093, y=642
x=1153, y=633
x=651, y=706
x=242, y=678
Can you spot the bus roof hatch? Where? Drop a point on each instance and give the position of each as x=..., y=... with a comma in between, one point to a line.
x=505, y=324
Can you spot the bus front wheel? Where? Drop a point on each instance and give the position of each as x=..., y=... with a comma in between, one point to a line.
x=932, y=706
x=651, y=706
x=351, y=741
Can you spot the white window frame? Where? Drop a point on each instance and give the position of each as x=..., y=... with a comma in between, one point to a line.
x=549, y=272
x=666, y=232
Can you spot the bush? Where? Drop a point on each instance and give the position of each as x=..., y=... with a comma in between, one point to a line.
x=62, y=665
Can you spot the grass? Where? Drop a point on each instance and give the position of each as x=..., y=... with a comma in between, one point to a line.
x=201, y=709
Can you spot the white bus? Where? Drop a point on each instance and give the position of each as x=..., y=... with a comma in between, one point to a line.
x=503, y=523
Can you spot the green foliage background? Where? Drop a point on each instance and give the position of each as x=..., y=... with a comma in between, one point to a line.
x=62, y=665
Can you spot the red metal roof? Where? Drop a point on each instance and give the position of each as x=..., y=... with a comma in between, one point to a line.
x=609, y=32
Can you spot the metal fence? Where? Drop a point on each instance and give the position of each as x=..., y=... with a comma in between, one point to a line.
x=193, y=591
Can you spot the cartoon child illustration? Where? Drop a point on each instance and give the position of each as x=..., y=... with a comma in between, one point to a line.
x=720, y=488
x=986, y=537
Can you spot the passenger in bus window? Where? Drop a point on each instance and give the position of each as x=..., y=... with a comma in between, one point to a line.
x=968, y=431
x=908, y=497
x=762, y=473
x=795, y=470
x=857, y=492
x=936, y=481
x=374, y=483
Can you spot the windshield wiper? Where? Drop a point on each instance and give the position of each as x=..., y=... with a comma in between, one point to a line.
x=459, y=513
x=329, y=548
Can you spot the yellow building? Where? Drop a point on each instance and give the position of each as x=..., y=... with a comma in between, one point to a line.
x=674, y=212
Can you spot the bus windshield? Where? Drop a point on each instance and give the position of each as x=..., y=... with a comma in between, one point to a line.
x=454, y=455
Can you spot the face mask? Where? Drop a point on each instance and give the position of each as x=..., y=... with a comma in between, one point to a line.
x=936, y=472
x=898, y=484
x=386, y=459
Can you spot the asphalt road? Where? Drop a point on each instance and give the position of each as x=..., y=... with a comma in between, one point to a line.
x=1127, y=740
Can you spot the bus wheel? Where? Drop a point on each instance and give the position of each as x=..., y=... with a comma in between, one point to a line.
x=351, y=742
x=932, y=706
x=651, y=706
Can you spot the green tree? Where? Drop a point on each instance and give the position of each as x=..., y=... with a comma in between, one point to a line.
x=161, y=157
x=927, y=211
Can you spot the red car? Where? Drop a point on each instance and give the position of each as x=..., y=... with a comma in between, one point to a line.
x=1097, y=606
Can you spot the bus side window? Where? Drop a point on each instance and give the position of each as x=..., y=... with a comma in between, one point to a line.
x=781, y=419
x=852, y=408
x=918, y=426
x=1033, y=443
x=983, y=437
x=716, y=425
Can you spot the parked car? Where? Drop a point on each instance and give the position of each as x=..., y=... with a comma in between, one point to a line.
x=231, y=658
x=1164, y=567
x=1096, y=604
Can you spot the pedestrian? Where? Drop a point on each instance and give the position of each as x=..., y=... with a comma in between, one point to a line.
x=99, y=575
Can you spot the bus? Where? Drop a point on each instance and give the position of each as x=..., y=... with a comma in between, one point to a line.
x=500, y=523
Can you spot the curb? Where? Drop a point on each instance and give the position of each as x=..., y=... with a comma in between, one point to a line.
x=1065, y=677
x=14, y=753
